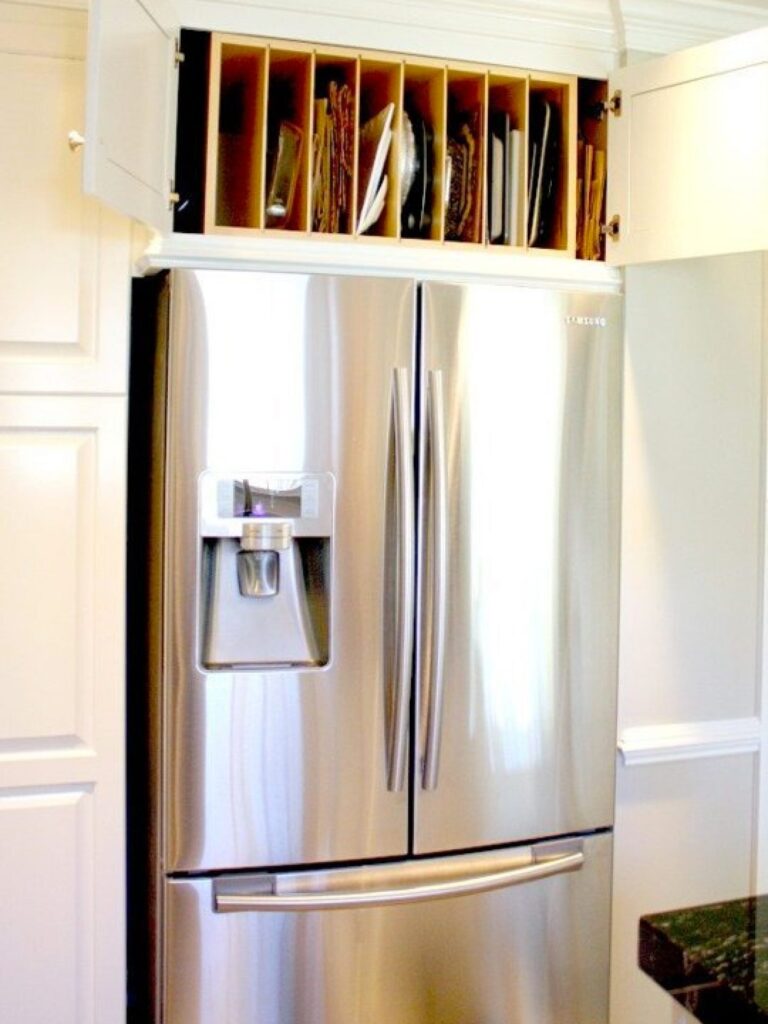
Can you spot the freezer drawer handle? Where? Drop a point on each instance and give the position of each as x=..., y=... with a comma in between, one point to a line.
x=229, y=900
x=398, y=737
x=436, y=423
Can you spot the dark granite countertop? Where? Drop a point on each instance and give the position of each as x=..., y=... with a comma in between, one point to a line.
x=712, y=959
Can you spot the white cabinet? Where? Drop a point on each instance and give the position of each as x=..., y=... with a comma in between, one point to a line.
x=688, y=154
x=131, y=107
x=64, y=264
x=61, y=254
x=62, y=536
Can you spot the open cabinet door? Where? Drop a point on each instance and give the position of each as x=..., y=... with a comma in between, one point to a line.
x=131, y=107
x=688, y=153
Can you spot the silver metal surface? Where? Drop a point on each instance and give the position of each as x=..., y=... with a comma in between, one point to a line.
x=258, y=573
x=238, y=631
x=280, y=893
x=284, y=766
x=528, y=954
x=438, y=538
x=532, y=384
x=404, y=608
x=266, y=535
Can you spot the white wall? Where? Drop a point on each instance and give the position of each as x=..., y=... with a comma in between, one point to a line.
x=691, y=578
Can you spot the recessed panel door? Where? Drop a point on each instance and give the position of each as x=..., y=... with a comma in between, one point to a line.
x=688, y=153
x=131, y=107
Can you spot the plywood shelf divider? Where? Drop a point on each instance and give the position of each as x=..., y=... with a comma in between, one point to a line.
x=452, y=128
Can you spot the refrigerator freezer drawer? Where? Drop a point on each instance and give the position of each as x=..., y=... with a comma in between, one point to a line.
x=406, y=950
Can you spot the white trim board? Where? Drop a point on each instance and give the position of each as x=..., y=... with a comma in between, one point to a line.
x=683, y=741
x=583, y=37
x=425, y=261
x=663, y=26
x=761, y=824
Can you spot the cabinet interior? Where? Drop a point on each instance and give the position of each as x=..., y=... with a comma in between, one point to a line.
x=592, y=148
x=319, y=141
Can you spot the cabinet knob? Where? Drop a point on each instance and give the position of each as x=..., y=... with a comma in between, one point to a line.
x=75, y=140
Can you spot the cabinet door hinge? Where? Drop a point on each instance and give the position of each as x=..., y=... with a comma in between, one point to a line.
x=613, y=105
x=612, y=229
x=173, y=195
x=178, y=56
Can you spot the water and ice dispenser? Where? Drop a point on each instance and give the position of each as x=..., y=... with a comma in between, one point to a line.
x=265, y=570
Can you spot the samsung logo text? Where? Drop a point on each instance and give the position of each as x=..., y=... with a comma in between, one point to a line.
x=587, y=321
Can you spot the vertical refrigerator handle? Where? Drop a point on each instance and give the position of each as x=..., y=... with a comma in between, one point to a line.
x=398, y=744
x=439, y=536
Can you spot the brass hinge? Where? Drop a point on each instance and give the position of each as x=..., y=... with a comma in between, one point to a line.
x=613, y=105
x=178, y=56
x=173, y=195
x=612, y=229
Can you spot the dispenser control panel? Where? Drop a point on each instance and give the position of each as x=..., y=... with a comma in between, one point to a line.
x=228, y=500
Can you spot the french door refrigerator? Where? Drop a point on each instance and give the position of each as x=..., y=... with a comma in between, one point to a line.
x=383, y=625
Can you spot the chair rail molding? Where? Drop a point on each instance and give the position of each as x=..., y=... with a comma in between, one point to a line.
x=684, y=741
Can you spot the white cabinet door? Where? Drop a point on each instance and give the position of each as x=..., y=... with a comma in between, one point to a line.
x=62, y=543
x=688, y=154
x=131, y=107
x=64, y=258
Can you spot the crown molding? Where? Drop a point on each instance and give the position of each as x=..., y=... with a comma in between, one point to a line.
x=564, y=35
x=662, y=26
x=569, y=35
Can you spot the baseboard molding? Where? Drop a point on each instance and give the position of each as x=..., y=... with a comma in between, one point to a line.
x=683, y=741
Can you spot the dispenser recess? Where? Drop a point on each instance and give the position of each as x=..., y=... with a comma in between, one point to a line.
x=265, y=570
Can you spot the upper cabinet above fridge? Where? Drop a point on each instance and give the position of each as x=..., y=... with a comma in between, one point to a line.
x=434, y=157
x=688, y=153
x=130, y=131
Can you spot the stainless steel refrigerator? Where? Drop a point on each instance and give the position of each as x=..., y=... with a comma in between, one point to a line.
x=383, y=622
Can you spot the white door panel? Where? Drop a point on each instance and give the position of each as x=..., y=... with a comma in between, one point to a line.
x=62, y=539
x=42, y=898
x=64, y=259
x=688, y=155
x=131, y=107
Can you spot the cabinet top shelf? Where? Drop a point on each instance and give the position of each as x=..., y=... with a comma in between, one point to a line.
x=424, y=260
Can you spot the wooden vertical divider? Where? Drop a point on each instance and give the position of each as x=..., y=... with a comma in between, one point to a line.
x=526, y=161
x=309, y=149
x=483, y=171
x=508, y=109
x=380, y=84
x=424, y=100
x=352, y=222
x=212, y=144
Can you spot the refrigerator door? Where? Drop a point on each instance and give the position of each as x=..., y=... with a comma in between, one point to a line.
x=275, y=377
x=520, y=455
x=534, y=951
